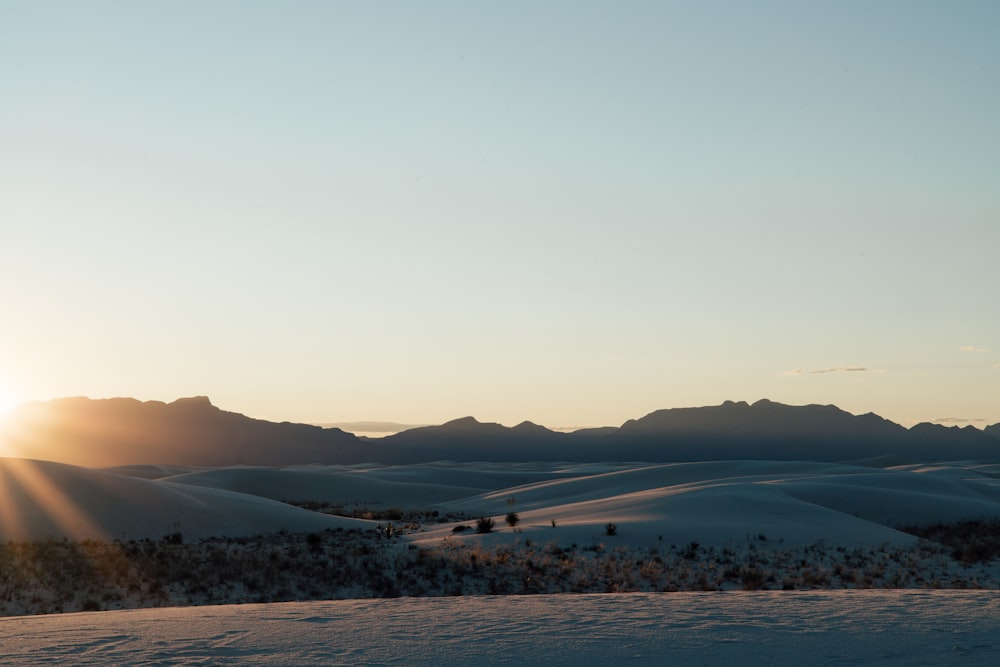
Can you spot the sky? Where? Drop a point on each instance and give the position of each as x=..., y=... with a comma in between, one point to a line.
x=568, y=212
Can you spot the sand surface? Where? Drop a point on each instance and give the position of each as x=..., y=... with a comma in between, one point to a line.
x=718, y=503
x=746, y=628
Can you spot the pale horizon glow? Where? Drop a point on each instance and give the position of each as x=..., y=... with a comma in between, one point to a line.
x=570, y=213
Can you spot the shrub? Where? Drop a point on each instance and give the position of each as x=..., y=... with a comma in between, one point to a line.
x=512, y=519
x=611, y=529
x=485, y=524
x=752, y=578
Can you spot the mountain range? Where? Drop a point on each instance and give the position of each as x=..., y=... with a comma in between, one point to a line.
x=194, y=432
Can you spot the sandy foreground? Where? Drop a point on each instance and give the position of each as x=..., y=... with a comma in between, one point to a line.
x=746, y=628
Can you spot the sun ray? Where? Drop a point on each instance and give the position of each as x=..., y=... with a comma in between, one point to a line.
x=33, y=502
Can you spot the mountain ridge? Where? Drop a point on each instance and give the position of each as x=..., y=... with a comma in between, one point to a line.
x=193, y=432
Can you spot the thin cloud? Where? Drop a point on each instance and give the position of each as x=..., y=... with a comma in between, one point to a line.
x=973, y=348
x=956, y=420
x=844, y=369
x=839, y=369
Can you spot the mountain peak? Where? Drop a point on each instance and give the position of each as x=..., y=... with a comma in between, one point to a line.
x=193, y=401
x=529, y=427
x=462, y=422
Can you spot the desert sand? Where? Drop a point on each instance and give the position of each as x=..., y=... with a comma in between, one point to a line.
x=817, y=628
x=740, y=507
x=714, y=503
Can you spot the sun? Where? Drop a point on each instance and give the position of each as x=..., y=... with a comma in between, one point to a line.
x=7, y=400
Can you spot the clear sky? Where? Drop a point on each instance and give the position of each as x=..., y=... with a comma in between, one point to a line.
x=567, y=212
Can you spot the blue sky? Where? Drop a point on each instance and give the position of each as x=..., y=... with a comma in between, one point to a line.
x=568, y=212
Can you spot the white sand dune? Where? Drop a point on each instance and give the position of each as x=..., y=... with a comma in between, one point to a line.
x=151, y=471
x=331, y=484
x=713, y=503
x=723, y=502
x=483, y=475
x=41, y=499
x=764, y=628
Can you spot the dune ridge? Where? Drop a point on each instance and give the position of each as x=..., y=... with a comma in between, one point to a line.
x=716, y=502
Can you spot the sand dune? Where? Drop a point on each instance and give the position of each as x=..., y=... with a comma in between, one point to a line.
x=326, y=485
x=822, y=628
x=713, y=503
x=42, y=499
x=723, y=502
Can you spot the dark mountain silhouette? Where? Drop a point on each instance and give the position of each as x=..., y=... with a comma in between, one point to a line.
x=188, y=431
x=928, y=437
x=733, y=430
x=764, y=429
x=193, y=432
x=466, y=439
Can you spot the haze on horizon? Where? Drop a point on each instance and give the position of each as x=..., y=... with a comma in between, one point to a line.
x=572, y=213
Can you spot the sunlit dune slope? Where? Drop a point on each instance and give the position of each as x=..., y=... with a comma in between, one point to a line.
x=41, y=499
x=724, y=502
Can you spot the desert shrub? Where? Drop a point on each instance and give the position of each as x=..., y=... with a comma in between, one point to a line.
x=512, y=518
x=460, y=528
x=485, y=524
x=969, y=541
x=752, y=578
x=611, y=529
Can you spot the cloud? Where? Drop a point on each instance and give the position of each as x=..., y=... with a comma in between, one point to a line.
x=839, y=369
x=956, y=420
x=973, y=348
x=845, y=369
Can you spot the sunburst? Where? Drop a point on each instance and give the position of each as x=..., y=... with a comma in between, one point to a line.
x=7, y=400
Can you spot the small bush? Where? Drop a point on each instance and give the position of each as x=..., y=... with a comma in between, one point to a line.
x=461, y=528
x=752, y=578
x=512, y=519
x=485, y=524
x=611, y=529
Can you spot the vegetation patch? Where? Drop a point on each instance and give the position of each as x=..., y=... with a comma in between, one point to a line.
x=52, y=576
x=966, y=541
